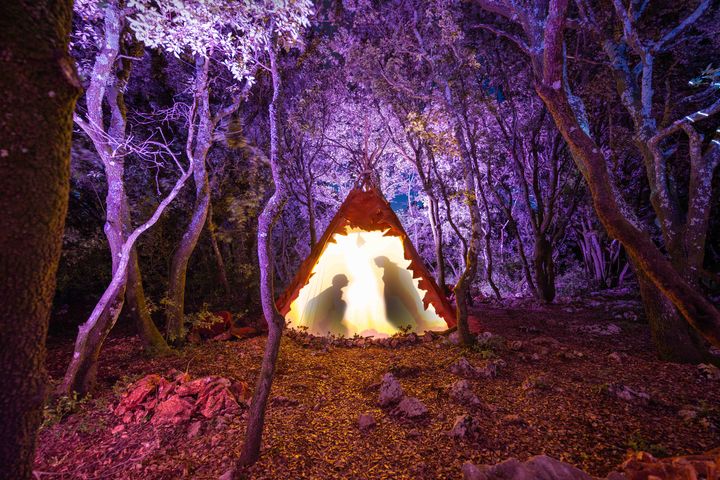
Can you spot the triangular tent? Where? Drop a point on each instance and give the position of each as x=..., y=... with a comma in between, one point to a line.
x=365, y=277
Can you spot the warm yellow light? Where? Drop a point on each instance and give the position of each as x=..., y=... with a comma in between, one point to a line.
x=350, y=284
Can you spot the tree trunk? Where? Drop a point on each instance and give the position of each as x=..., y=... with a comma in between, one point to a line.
x=151, y=338
x=275, y=321
x=82, y=370
x=311, y=216
x=175, y=324
x=672, y=336
x=462, y=287
x=544, y=269
x=436, y=227
x=219, y=262
x=38, y=89
x=648, y=259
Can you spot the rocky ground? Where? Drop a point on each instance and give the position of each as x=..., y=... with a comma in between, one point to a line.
x=575, y=381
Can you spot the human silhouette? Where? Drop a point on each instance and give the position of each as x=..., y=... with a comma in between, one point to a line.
x=402, y=301
x=326, y=311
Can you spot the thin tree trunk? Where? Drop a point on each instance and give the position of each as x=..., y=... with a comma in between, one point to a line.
x=175, y=324
x=544, y=269
x=38, y=89
x=275, y=321
x=219, y=262
x=311, y=216
x=436, y=227
x=82, y=370
x=153, y=341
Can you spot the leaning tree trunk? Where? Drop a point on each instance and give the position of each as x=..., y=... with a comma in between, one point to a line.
x=38, y=89
x=437, y=233
x=178, y=268
x=81, y=373
x=647, y=258
x=275, y=321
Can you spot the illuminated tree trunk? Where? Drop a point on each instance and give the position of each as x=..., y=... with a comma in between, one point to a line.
x=275, y=321
x=544, y=29
x=38, y=89
x=198, y=153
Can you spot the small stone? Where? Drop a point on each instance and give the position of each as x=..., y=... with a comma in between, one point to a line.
x=366, y=421
x=461, y=392
x=118, y=429
x=411, y=407
x=194, y=429
x=454, y=338
x=513, y=419
x=615, y=357
x=628, y=394
x=709, y=371
x=414, y=433
x=688, y=414
x=390, y=390
x=465, y=427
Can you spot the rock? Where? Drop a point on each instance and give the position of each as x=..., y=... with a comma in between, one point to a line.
x=642, y=466
x=709, y=371
x=471, y=472
x=615, y=357
x=137, y=393
x=628, y=394
x=216, y=400
x=414, y=433
x=513, y=419
x=174, y=410
x=688, y=413
x=465, y=427
x=390, y=391
x=366, y=421
x=463, y=368
x=410, y=407
x=540, y=467
x=118, y=429
x=454, y=338
x=461, y=392
x=492, y=368
x=194, y=429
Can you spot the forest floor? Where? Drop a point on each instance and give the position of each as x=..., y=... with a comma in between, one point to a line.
x=572, y=388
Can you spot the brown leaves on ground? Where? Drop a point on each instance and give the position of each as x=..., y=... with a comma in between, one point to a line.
x=557, y=397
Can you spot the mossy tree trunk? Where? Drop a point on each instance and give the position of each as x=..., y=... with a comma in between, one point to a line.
x=38, y=90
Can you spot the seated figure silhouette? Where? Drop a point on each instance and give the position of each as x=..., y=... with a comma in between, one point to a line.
x=327, y=310
x=403, y=305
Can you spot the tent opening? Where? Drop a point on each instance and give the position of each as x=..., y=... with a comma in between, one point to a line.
x=361, y=285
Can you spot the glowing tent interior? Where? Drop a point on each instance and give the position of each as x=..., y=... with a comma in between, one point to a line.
x=365, y=277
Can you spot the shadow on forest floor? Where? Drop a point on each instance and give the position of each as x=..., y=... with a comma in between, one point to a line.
x=557, y=395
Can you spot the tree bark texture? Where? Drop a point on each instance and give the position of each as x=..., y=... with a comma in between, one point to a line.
x=275, y=321
x=38, y=90
x=175, y=325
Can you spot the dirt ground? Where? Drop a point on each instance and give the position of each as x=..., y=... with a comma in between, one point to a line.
x=557, y=396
